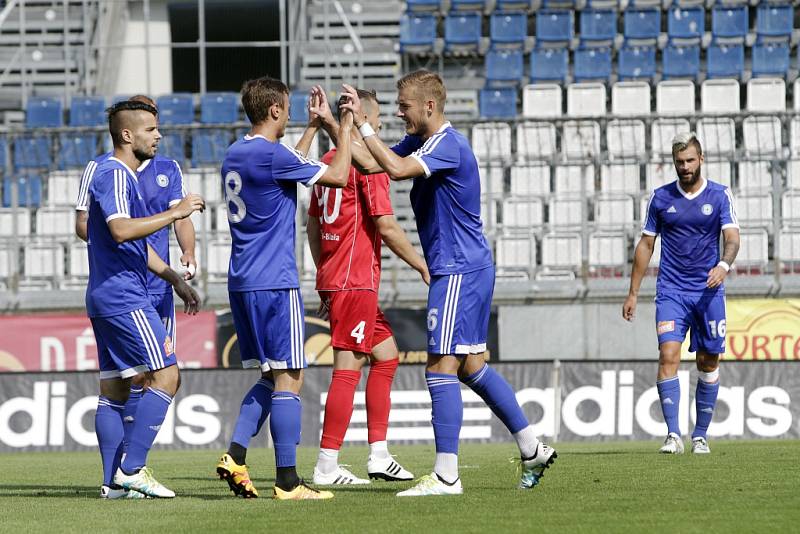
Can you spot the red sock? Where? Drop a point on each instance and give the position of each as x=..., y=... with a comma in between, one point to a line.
x=339, y=408
x=379, y=386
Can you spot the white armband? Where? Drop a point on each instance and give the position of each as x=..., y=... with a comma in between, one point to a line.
x=724, y=265
x=366, y=130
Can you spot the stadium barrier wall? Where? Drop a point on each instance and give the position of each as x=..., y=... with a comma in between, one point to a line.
x=566, y=401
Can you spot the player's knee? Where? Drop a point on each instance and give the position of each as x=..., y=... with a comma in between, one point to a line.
x=167, y=379
x=707, y=363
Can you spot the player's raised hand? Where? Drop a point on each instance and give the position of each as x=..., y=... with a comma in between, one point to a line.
x=716, y=276
x=190, y=298
x=190, y=203
x=319, y=106
x=190, y=262
x=629, y=308
x=353, y=103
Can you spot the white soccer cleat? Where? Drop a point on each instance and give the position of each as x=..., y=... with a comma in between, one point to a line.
x=672, y=445
x=532, y=470
x=432, y=485
x=387, y=469
x=700, y=446
x=143, y=482
x=340, y=477
x=119, y=493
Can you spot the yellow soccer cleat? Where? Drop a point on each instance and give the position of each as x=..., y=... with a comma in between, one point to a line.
x=237, y=477
x=301, y=492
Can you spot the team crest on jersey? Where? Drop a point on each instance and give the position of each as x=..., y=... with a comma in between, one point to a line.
x=168, y=346
x=665, y=326
x=433, y=319
x=162, y=180
x=707, y=209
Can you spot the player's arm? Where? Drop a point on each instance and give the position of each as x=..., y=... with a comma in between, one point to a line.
x=82, y=203
x=128, y=229
x=304, y=143
x=159, y=267
x=730, y=248
x=641, y=259
x=338, y=171
x=397, y=241
x=82, y=224
x=185, y=234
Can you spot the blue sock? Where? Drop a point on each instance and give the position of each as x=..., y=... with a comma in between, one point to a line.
x=108, y=427
x=151, y=412
x=498, y=395
x=447, y=410
x=669, y=391
x=287, y=413
x=255, y=408
x=129, y=414
x=705, y=398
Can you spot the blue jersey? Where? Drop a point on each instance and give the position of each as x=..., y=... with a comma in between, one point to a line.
x=689, y=226
x=447, y=202
x=161, y=185
x=260, y=181
x=117, y=271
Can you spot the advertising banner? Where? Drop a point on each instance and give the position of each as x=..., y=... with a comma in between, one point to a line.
x=763, y=329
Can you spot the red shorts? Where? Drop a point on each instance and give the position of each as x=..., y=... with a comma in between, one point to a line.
x=357, y=323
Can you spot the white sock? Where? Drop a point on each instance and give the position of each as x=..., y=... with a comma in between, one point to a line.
x=527, y=442
x=446, y=466
x=328, y=461
x=379, y=450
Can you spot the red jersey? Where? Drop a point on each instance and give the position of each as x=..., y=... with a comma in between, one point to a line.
x=350, y=243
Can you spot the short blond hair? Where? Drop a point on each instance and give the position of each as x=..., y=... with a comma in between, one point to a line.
x=684, y=140
x=427, y=85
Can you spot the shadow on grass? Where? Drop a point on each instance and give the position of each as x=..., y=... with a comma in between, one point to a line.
x=39, y=490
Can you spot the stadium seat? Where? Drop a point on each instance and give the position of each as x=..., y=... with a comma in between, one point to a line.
x=794, y=136
x=76, y=149
x=492, y=178
x=173, y=146
x=625, y=139
x=662, y=131
x=729, y=22
x=23, y=217
x=790, y=208
x=613, y=212
x=293, y=135
x=177, y=108
x=209, y=146
x=771, y=59
x=565, y=211
x=762, y=136
x=536, y=141
x=491, y=141
x=516, y=254
x=205, y=183
x=580, y=140
x=549, y=64
x=754, y=210
x=788, y=249
x=574, y=179
x=470, y=5
x=754, y=176
x=725, y=60
x=630, y=98
x=561, y=251
x=658, y=173
x=462, y=31
x=586, y=100
x=717, y=136
x=542, y=101
x=675, y=97
x=592, y=64
x=6, y=267
x=686, y=22
x=508, y=28
x=532, y=180
x=680, y=61
x=417, y=32
x=44, y=112
x=766, y=94
x=753, y=254
x=498, y=103
x=720, y=96
x=78, y=266
x=504, y=65
x=55, y=221
x=608, y=253
x=774, y=20
x=642, y=24
x=43, y=260
x=598, y=25
x=29, y=191
x=87, y=111
x=219, y=108
x=221, y=221
x=62, y=188
x=796, y=91
x=526, y=214
x=32, y=151
x=620, y=178
x=298, y=107
x=718, y=171
x=510, y=5
x=555, y=25
x=423, y=5
x=3, y=154
x=636, y=62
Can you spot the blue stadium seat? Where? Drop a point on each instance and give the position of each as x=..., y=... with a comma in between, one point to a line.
x=3, y=157
x=218, y=108
x=76, y=150
x=686, y=22
x=681, y=61
x=298, y=107
x=467, y=5
x=29, y=191
x=592, y=64
x=636, y=62
x=504, y=65
x=725, y=60
x=729, y=22
x=43, y=113
x=176, y=108
x=642, y=23
x=87, y=111
x=417, y=32
x=555, y=25
x=774, y=20
x=561, y=4
x=462, y=30
x=499, y=103
x=120, y=98
x=549, y=64
x=209, y=146
x=423, y=5
x=32, y=152
x=771, y=59
x=598, y=25
x=173, y=145
x=505, y=5
x=508, y=27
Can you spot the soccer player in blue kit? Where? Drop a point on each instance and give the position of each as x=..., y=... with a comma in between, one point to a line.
x=260, y=177
x=131, y=338
x=445, y=199
x=688, y=214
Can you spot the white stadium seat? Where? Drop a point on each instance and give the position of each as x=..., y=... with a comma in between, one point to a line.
x=630, y=98
x=223, y=225
x=516, y=254
x=754, y=176
x=716, y=136
x=586, y=100
x=794, y=136
x=789, y=245
x=720, y=96
x=762, y=136
x=55, y=221
x=625, y=139
x=206, y=183
x=753, y=249
x=659, y=173
x=790, y=208
x=675, y=97
x=23, y=217
x=662, y=132
x=580, y=140
x=492, y=180
x=766, y=94
x=536, y=141
x=565, y=211
x=574, y=179
x=614, y=212
x=530, y=180
x=754, y=210
x=523, y=214
x=793, y=174
x=608, y=250
x=796, y=93
x=561, y=251
x=62, y=188
x=6, y=269
x=219, y=254
x=491, y=141
x=717, y=171
x=541, y=101
x=620, y=178
x=78, y=265
x=44, y=260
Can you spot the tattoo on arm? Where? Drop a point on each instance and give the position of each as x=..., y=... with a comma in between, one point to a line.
x=729, y=251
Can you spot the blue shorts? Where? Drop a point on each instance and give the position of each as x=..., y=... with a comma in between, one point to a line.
x=164, y=303
x=132, y=343
x=458, y=312
x=703, y=314
x=270, y=328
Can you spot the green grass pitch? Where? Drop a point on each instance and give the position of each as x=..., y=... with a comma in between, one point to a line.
x=751, y=486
